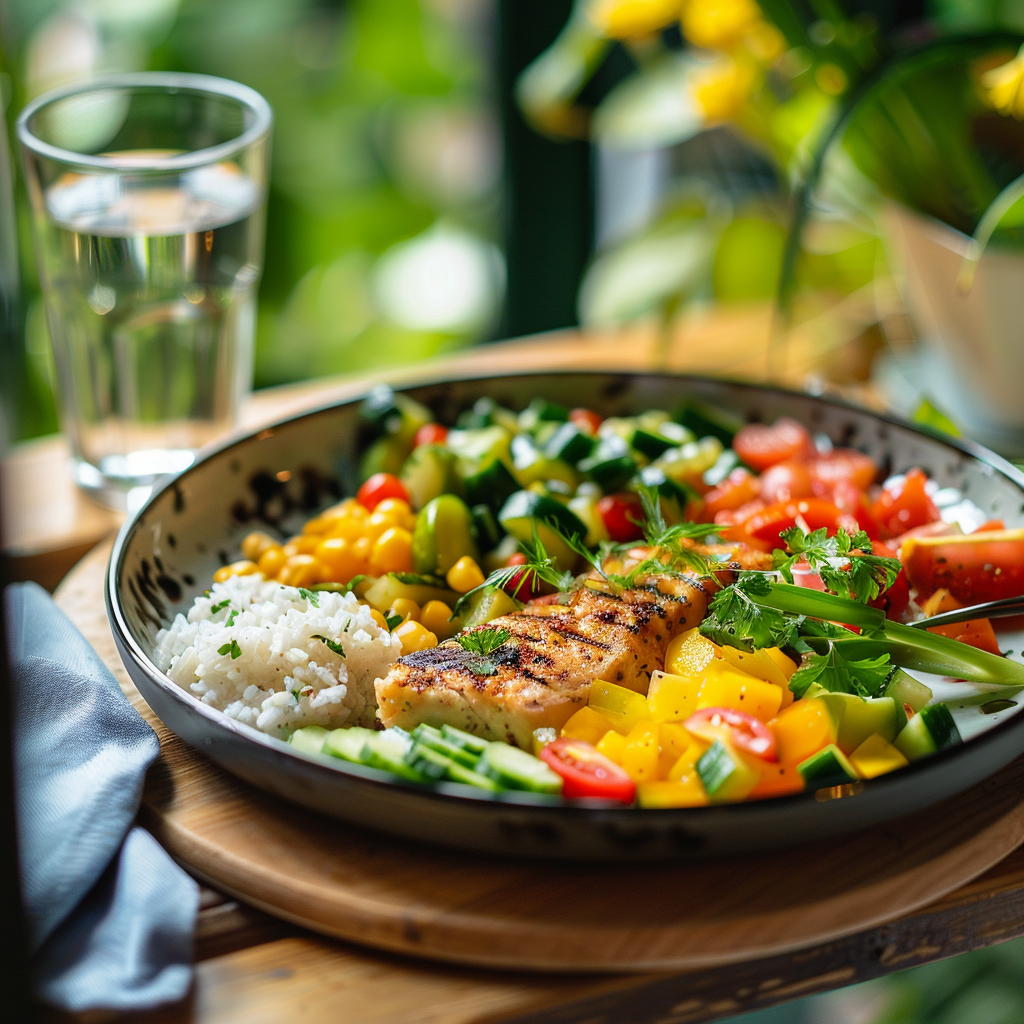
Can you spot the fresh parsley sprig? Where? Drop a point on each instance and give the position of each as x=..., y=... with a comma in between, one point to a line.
x=865, y=677
x=482, y=643
x=737, y=619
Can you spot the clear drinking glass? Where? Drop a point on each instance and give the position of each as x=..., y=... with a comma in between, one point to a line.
x=148, y=194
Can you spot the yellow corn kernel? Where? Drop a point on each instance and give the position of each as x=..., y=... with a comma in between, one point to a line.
x=242, y=568
x=378, y=618
x=415, y=637
x=404, y=607
x=272, y=561
x=317, y=525
x=362, y=547
x=434, y=615
x=464, y=575
x=392, y=552
x=376, y=524
x=399, y=511
x=338, y=561
x=304, y=545
x=300, y=571
x=348, y=527
x=256, y=543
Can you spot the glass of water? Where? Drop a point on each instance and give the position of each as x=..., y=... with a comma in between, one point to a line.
x=148, y=195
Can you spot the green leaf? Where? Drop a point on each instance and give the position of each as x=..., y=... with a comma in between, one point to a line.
x=310, y=596
x=220, y=606
x=332, y=645
x=865, y=677
x=483, y=641
x=739, y=618
x=230, y=620
x=929, y=415
x=393, y=622
x=232, y=648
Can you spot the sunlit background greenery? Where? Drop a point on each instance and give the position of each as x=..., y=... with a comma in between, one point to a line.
x=689, y=135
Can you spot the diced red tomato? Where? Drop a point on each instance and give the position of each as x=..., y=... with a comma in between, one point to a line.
x=893, y=601
x=762, y=530
x=586, y=419
x=761, y=446
x=973, y=568
x=738, y=488
x=430, y=433
x=843, y=465
x=621, y=515
x=905, y=506
x=586, y=772
x=748, y=734
x=848, y=497
x=786, y=481
x=379, y=487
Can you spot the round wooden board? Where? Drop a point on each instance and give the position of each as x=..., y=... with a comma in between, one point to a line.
x=379, y=891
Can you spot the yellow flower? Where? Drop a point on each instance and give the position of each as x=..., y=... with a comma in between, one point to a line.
x=1004, y=86
x=719, y=24
x=628, y=19
x=721, y=88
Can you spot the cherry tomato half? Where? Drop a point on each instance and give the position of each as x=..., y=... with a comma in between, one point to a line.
x=379, y=487
x=521, y=586
x=761, y=446
x=973, y=568
x=587, y=772
x=904, y=506
x=621, y=515
x=746, y=732
x=843, y=464
x=787, y=480
x=430, y=433
x=586, y=419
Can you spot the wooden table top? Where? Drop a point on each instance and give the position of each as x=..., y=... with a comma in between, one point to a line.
x=253, y=968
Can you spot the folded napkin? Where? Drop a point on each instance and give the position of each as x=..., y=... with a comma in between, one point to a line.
x=110, y=916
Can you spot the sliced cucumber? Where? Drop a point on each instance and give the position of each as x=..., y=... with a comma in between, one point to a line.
x=828, y=767
x=443, y=534
x=905, y=689
x=485, y=528
x=725, y=775
x=525, y=511
x=480, y=445
x=347, y=743
x=513, y=768
x=569, y=444
x=309, y=739
x=490, y=483
x=931, y=729
x=540, y=410
x=486, y=604
x=384, y=591
x=464, y=739
x=650, y=444
x=610, y=473
x=428, y=736
x=532, y=465
x=387, y=750
x=427, y=472
x=703, y=420
x=429, y=763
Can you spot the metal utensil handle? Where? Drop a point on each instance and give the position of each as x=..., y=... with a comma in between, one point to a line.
x=989, y=610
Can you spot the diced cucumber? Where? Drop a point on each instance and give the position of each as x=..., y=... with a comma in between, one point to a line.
x=532, y=465
x=650, y=444
x=384, y=591
x=828, y=767
x=428, y=736
x=490, y=483
x=675, y=494
x=704, y=420
x=487, y=413
x=387, y=750
x=725, y=775
x=585, y=506
x=386, y=412
x=689, y=463
x=540, y=410
x=309, y=739
x=486, y=604
x=386, y=455
x=427, y=472
x=931, y=729
x=526, y=511
x=610, y=473
x=513, y=768
x=347, y=743
x=569, y=444
x=486, y=530
x=480, y=445
x=905, y=689
x=464, y=739
x=443, y=534
x=857, y=718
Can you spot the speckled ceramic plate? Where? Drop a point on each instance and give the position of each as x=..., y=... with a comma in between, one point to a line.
x=191, y=525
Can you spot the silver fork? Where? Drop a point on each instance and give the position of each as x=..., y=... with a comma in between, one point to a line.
x=989, y=610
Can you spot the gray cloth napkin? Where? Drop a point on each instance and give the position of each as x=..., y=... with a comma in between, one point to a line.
x=110, y=916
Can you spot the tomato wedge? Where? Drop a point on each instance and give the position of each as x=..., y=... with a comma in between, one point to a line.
x=761, y=446
x=905, y=506
x=738, y=488
x=379, y=487
x=975, y=567
x=787, y=480
x=586, y=772
x=430, y=433
x=621, y=515
x=762, y=530
x=747, y=733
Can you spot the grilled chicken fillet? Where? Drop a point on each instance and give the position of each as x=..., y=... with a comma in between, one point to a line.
x=543, y=673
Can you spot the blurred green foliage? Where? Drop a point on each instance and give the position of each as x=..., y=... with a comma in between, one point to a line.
x=383, y=134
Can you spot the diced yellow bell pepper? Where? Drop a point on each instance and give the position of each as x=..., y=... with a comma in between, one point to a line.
x=876, y=756
x=674, y=741
x=612, y=744
x=587, y=725
x=687, y=761
x=803, y=729
x=689, y=653
x=623, y=708
x=758, y=664
x=785, y=663
x=724, y=687
x=673, y=698
x=684, y=792
x=640, y=756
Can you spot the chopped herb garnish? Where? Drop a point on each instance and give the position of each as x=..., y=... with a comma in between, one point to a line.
x=296, y=694
x=232, y=648
x=310, y=596
x=393, y=621
x=332, y=645
x=220, y=606
x=865, y=677
x=737, y=619
x=483, y=641
x=230, y=620
x=340, y=588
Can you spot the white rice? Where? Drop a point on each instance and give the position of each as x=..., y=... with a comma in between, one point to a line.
x=280, y=677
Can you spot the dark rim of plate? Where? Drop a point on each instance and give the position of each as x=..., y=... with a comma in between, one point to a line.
x=448, y=791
